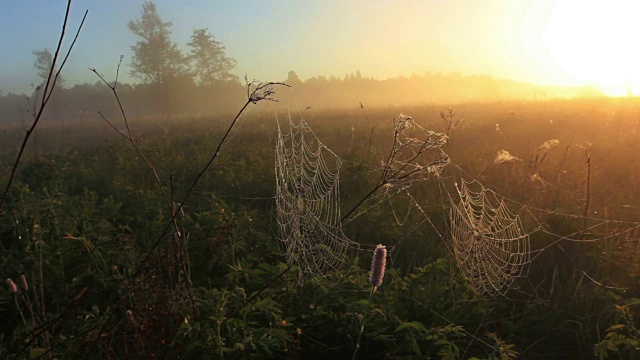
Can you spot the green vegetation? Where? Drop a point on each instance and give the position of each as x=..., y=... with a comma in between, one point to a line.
x=137, y=244
x=81, y=220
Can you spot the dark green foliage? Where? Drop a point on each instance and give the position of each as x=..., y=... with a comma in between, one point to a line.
x=80, y=221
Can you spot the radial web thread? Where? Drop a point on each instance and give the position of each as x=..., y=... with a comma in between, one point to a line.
x=490, y=246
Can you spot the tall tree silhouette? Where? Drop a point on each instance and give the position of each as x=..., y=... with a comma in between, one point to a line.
x=210, y=60
x=156, y=58
x=43, y=63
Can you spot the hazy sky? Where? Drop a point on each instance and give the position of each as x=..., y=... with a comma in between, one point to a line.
x=561, y=42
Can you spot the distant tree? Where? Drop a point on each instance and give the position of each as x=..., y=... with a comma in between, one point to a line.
x=210, y=61
x=43, y=63
x=293, y=79
x=156, y=58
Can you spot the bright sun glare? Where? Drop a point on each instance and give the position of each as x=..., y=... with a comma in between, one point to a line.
x=596, y=42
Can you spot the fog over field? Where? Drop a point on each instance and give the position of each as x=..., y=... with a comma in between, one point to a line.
x=319, y=179
x=192, y=58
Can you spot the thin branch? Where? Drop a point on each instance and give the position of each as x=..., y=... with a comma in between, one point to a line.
x=66, y=57
x=393, y=176
x=45, y=98
x=110, y=124
x=129, y=136
x=115, y=83
x=262, y=91
x=269, y=284
x=55, y=58
x=43, y=328
x=365, y=198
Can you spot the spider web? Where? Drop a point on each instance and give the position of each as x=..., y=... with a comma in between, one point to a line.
x=490, y=246
x=416, y=155
x=308, y=202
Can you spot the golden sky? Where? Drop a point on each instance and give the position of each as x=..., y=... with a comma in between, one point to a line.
x=549, y=42
x=552, y=42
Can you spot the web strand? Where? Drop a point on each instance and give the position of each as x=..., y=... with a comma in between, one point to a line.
x=308, y=202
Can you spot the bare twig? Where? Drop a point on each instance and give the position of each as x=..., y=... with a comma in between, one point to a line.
x=44, y=328
x=261, y=91
x=588, y=200
x=130, y=137
x=46, y=95
x=370, y=135
x=406, y=170
x=269, y=284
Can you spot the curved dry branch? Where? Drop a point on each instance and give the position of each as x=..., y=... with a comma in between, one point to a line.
x=48, y=91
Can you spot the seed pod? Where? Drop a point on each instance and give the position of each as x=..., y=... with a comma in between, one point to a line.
x=378, y=265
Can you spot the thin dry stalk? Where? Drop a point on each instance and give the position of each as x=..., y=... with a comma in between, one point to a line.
x=129, y=136
x=588, y=200
x=256, y=92
x=401, y=172
x=370, y=134
x=46, y=95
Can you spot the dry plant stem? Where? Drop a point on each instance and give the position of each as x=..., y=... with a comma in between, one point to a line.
x=447, y=119
x=129, y=136
x=84, y=332
x=556, y=178
x=46, y=95
x=184, y=263
x=44, y=328
x=261, y=92
x=370, y=135
x=255, y=295
x=355, y=351
x=215, y=155
x=44, y=311
x=588, y=200
x=373, y=191
x=363, y=320
x=384, y=179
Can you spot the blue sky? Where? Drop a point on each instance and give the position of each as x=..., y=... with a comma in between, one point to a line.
x=381, y=38
x=267, y=38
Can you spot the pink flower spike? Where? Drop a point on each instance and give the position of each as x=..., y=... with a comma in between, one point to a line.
x=378, y=265
x=12, y=286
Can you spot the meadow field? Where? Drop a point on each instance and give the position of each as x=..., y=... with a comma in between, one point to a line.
x=97, y=268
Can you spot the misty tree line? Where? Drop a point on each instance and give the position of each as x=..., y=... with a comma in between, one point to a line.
x=172, y=83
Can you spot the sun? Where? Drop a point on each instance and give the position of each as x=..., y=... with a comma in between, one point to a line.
x=597, y=43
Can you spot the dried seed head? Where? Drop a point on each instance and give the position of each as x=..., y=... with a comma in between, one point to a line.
x=504, y=156
x=12, y=286
x=23, y=280
x=378, y=265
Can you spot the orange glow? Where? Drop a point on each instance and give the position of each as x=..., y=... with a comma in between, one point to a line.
x=596, y=43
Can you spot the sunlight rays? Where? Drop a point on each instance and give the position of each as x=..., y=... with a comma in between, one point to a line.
x=593, y=43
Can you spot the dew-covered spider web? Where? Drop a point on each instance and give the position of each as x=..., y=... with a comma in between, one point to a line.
x=308, y=202
x=489, y=235
x=490, y=246
x=416, y=155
